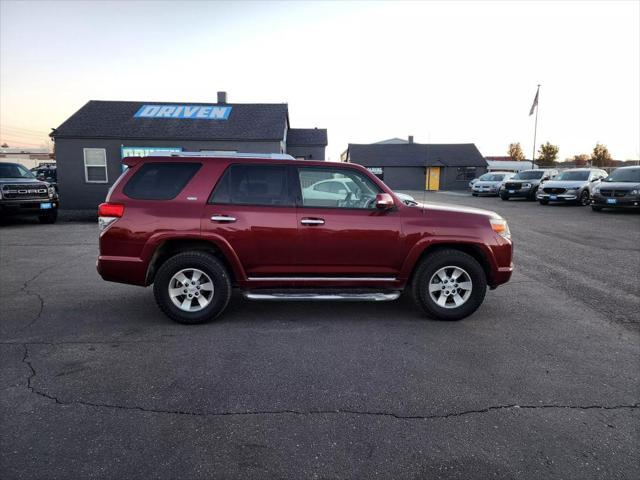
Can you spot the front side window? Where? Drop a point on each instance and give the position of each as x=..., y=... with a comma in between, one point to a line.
x=160, y=181
x=341, y=188
x=264, y=185
x=95, y=165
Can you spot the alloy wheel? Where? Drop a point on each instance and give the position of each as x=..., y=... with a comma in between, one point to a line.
x=191, y=290
x=450, y=287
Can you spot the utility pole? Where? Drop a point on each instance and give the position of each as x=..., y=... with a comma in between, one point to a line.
x=535, y=128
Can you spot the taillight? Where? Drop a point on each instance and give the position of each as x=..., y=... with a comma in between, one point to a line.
x=109, y=213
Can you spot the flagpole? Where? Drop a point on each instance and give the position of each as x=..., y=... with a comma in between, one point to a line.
x=535, y=128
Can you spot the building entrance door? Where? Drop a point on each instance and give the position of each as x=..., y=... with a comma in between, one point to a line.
x=433, y=178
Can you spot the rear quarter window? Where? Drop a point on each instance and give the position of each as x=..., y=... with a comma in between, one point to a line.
x=160, y=181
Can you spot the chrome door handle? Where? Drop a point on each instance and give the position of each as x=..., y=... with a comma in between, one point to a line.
x=223, y=218
x=312, y=221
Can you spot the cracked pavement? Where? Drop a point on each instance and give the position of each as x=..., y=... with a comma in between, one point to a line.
x=542, y=382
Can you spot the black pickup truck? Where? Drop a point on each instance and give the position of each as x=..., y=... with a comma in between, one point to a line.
x=21, y=193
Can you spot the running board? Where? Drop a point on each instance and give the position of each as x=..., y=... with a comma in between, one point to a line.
x=306, y=296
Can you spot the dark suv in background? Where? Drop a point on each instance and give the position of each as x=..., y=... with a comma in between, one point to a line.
x=21, y=193
x=196, y=226
x=525, y=184
x=620, y=189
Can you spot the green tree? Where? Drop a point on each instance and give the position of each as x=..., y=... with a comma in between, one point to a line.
x=547, y=155
x=515, y=152
x=601, y=156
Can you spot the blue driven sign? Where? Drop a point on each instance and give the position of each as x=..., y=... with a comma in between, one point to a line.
x=196, y=112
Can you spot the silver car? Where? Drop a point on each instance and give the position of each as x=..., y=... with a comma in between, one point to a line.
x=489, y=183
x=572, y=185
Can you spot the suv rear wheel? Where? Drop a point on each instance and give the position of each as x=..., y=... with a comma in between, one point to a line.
x=449, y=285
x=192, y=287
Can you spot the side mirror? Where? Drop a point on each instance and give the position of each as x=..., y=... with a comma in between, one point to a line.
x=384, y=201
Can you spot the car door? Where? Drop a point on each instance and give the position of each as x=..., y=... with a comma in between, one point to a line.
x=252, y=209
x=345, y=236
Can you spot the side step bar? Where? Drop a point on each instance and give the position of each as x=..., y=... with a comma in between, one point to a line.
x=305, y=296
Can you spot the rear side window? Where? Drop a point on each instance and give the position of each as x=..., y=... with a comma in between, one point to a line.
x=253, y=185
x=160, y=181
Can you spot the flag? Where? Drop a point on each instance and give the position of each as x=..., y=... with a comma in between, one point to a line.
x=535, y=102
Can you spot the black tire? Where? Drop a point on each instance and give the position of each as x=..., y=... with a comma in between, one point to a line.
x=50, y=217
x=595, y=208
x=208, y=264
x=532, y=195
x=544, y=202
x=584, y=199
x=436, y=261
x=474, y=194
x=504, y=197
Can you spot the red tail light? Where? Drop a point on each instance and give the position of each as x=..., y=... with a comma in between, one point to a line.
x=110, y=210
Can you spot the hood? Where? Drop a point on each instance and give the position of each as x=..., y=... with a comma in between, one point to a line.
x=565, y=184
x=535, y=181
x=22, y=181
x=487, y=183
x=460, y=209
x=619, y=185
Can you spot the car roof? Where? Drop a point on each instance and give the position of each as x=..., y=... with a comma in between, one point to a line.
x=131, y=161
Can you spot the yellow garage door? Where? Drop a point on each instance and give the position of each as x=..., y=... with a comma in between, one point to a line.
x=433, y=178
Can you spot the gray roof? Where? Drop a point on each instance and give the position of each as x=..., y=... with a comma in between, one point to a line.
x=307, y=137
x=416, y=154
x=115, y=119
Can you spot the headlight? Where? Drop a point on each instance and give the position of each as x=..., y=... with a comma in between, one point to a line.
x=596, y=189
x=52, y=192
x=499, y=225
x=526, y=185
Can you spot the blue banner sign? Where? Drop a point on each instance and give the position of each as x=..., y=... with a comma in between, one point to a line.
x=197, y=112
x=145, y=151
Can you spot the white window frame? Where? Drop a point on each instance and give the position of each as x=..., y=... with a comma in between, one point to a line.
x=106, y=170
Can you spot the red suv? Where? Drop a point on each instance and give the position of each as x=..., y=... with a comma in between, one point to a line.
x=285, y=229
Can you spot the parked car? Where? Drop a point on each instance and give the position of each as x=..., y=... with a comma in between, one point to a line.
x=573, y=185
x=196, y=226
x=47, y=173
x=338, y=187
x=21, y=193
x=490, y=183
x=525, y=184
x=620, y=189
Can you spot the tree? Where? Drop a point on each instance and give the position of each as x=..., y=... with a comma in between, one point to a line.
x=580, y=160
x=547, y=155
x=4, y=145
x=601, y=156
x=515, y=152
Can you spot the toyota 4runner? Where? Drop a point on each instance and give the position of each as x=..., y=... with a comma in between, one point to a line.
x=196, y=226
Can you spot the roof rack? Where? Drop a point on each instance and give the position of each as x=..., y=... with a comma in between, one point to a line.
x=224, y=154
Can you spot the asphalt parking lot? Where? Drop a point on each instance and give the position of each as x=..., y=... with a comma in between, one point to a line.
x=542, y=382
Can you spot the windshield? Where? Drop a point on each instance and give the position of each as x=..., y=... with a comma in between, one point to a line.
x=13, y=170
x=492, y=177
x=624, y=175
x=529, y=175
x=564, y=176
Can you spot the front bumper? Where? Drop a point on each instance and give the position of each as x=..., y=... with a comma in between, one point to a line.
x=24, y=207
x=485, y=191
x=522, y=192
x=619, y=202
x=560, y=197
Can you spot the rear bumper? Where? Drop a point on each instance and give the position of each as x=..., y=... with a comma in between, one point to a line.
x=128, y=270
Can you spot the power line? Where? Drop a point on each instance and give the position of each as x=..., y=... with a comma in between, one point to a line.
x=27, y=130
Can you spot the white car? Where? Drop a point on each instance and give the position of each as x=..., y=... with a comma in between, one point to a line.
x=338, y=189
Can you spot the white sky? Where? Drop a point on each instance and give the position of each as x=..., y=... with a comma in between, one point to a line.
x=443, y=72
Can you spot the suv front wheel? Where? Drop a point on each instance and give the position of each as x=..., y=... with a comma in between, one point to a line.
x=449, y=285
x=192, y=287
